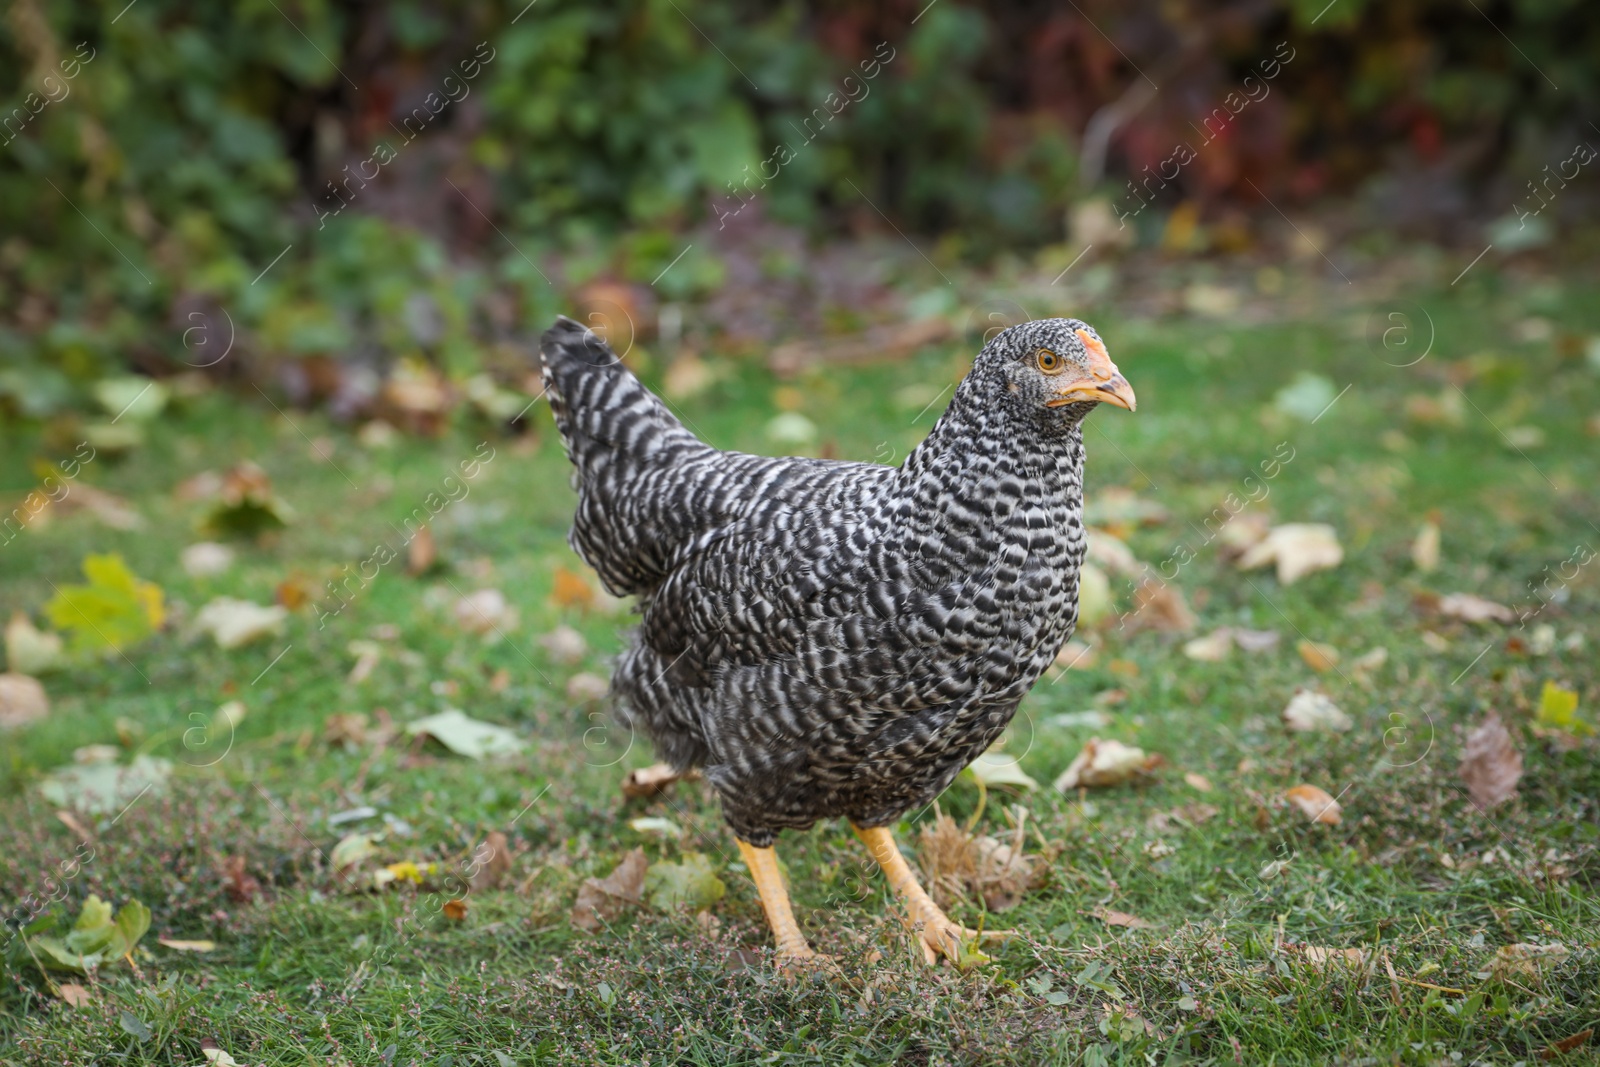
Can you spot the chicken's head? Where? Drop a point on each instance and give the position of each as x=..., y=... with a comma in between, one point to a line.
x=1053, y=364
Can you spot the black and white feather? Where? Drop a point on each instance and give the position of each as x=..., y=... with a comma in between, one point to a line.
x=827, y=638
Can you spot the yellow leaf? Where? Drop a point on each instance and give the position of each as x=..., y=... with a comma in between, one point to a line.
x=113, y=610
x=1558, y=708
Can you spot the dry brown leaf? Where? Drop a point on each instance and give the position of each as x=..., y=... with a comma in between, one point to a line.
x=1298, y=549
x=1491, y=764
x=422, y=552
x=565, y=645
x=22, y=701
x=571, y=590
x=648, y=781
x=1311, y=712
x=1160, y=606
x=75, y=995
x=1104, y=763
x=1197, y=781
x=1526, y=959
x=1121, y=918
x=601, y=900
x=1243, y=532
x=1256, y=640
x=293, y=593
x=454, y=909
x=491, y=861
x=1320, y=658
x=485, y=611
x=1322, y=958
x=70, y=821
x=959, y=865
x=240, y=885
x=1315, y=804
x=1212, y=648
x=1469, y=607
x=1113, y=554
x=1075, y=655
x=1566, y=1044
x=584, y=687
x=1425, y=549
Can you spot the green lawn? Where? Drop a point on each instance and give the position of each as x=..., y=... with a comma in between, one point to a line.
x=310, y=968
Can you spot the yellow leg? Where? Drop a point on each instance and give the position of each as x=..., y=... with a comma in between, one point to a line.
x=937, y=933
x=763, y=864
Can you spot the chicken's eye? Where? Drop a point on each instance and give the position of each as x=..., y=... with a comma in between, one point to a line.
x=1048, y=361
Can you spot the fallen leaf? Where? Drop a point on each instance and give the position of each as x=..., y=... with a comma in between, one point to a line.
x=215, y=1056
x=1256, y=640
x=422, y=552
x=571, y=590
x=1558, y=710
x=112, y=611
x=1526, y=959
x=1491, y=764
x=353, y=850
x=1310, y=712
x=246, y=505
x=22, y=700
x=1094, y=596
x=1425, y=549
x=1112, y=554
x=104, y=787
x=293, y=593
x=999, y=769
x=1118, y=506
x=1469, y=607
x=565, y=645
x=1298, y=549
x=1242, y=533
x=691, y=883
x=584, y=687
x=30, y=650
x=602, y=900
x=454, y=909
x=1306, y=397
x=96, y=938
x=1105, y=763
x=368, y=654
x=75, y=995
x=1075, y=655
x=1371, y=660
x=1212, y=648
x=187, y=946
x=1121, y=918
x=1320, y=658
x=485, y=611
x=1566, y=1044
x=131, y=397
x=206, y=559
x=648, y=781
x=491, y=861
x=241, y=886
x=1160, y=606
x=466, y=736
x=1323, y=958
x=657, y=826
x=959, y=866
x=1315, y=804
x=1197, y=781
x=234, y=623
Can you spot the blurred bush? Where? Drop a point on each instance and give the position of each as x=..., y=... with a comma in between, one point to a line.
x=159, y=156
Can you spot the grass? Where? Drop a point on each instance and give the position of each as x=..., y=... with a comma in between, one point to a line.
x=310, y=970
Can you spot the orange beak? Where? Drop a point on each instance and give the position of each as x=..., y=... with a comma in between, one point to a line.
x=1104, y=384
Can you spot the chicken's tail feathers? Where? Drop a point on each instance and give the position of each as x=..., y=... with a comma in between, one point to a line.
x=635, y=463
x=599, y=406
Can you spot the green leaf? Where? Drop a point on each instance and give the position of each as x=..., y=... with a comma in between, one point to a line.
x=692, y=884
x=132, y=397
x=95, y=938
x=135, y=1026
x=466, y=736
x=104, y=788
x=112, y=611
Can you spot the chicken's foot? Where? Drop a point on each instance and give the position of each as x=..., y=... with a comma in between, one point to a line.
x=763, y=864
x=937, y=933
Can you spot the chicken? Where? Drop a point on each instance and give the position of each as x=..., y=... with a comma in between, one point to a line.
x=824, y=638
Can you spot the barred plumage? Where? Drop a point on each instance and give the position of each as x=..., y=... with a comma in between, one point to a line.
x=829, y=638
